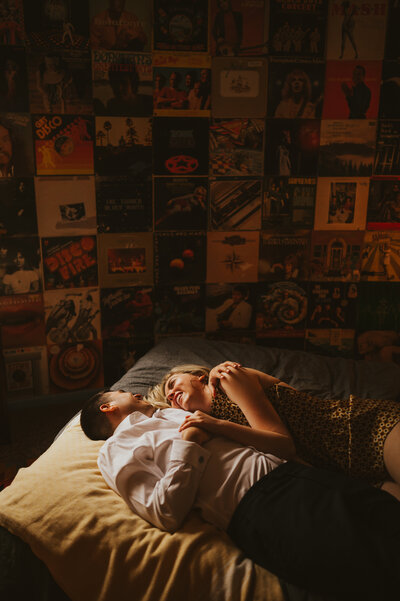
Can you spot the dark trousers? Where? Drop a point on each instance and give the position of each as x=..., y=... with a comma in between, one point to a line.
x=322, y=531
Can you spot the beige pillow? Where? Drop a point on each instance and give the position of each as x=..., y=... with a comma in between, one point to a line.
x=98, y=550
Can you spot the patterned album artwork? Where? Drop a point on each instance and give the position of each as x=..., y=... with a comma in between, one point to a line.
x=380, y=259
x=332, y=305
x=237, y=147
x=20, y=264
x=281, y=309
x=75, y=366
x=181, y=25
x=17, y=207
x=26, y=372
x=179, y=309
x=180, y=203
x=16, y=159
x=384, y=203
x=22, y=321
x=69, y=262
x=57, y=24
x=127, y=312
x=63, y=144
x=232, y=256
x=124, y=204
x=235, y=204
x=123, y=146
x=14, y=76
x=180, y=257
x=72, y=315
x=125, y=259
x=120, y=25
x=289, y=202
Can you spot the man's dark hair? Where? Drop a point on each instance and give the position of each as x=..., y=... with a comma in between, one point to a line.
x=94, y=422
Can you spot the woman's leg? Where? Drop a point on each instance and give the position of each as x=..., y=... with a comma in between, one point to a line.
x=391, y=454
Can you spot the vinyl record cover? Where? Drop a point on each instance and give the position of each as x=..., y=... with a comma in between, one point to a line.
x=75, y=366
x=284, y=255
x=180, y=257
x=295, y=89
x=27, y=373
x=124, y=204
x=347, y=147
x=387, y=158
x=57, y=24
x=22, y=320
x=20, y=265
x=179, y=309
x=292, y=146
x=230, y=308
x=127, y=312
x=336, y=255
x=392, y=47
x=60, y=82
x=180, y=25
x=281, y=309
x=12, y=23
x=239, y=87
x=69, y=262
x=13, y=79
x=379, y=308
x=378, y=345
x=237, y=147
x=384, y=203
x=380, y=259
x=180, y=146
x=238, y=27
x=72, y=316
x=63, y=144
x=297, y=28
x=180, y=203
x=122, y=83
x=182, y=84
x=125, y=259
x=235, y=204
x=121, y=25
x=120, y=354
x=352, y=89
x=341, y=203
x=232, y=256
x=356, y=29
x=389, y=106
x=332, y=305
x=289, y=202
x=66, y=205
x=16, y=159
x=331, y=342
x=17, y=207
x=123, y=146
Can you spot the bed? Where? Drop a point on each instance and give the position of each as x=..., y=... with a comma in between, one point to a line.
x=65, y=536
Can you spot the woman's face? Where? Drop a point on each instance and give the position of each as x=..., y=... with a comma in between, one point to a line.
x=186, y=391
x=297, y=84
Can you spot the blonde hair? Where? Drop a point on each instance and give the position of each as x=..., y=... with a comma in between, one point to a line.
x=156, y=395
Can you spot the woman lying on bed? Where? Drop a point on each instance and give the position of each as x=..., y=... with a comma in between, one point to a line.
x=360, y=437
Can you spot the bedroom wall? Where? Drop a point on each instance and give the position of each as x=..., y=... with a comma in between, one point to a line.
x=267, y=173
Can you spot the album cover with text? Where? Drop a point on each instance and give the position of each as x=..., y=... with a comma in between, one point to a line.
x=127, y=312
x=179, y=309
x=288, y=202
x=69, y=262
x=347, y=147
x=121, y=25
x=232, y=256
x=124, y=204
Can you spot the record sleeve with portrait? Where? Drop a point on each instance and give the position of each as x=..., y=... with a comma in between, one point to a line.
x=120, y=25
x=125, y=259
x=341, y=203
x=230, y=308
x=20, y=265
x=17, y=207
x=332, y=305
x=284, y=255
x=384, y=203
x=289, y=202
x=293, y=147
x=13, y=77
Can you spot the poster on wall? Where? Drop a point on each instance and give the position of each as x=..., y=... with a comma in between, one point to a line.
x=284, y=255
x=332, y=305
x=72, y=315
x=356, y=29
x=123, y=146
x=347, y=147
x=60, y=82
x=120, y=354
x=384, y=203
x=179, y=310
x=127, y=312
x=180, y=25
x=293, y=146
x=27, y=372
x=66, y=205
x=232, y=256
x=380, y=259
x=281, y=309
x=75, y=366
x=20, y=265
x=297, y=28
x=288, y=202
x=13, y=73
x=17, y=207
x=16, y=158
x=237, y=147
x=230, y=308
x=122, y=83
x=124, y=204
x=180, y=146
x=239, y=87
x=125, y=259
x=235, y=204
x=180, y=257
x=248, y=28
x=57, y=24
x=352, y=89
x=341, y=203
x=180, y=203
x=120, y=25
x=336, y=255
x=295, y=89
x=63, y=144
x=12, y=24
x=69, y=262
x=331, y=342
x=387, y=157
x=22, y=320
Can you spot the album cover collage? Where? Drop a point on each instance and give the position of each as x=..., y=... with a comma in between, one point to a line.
x=219, y=168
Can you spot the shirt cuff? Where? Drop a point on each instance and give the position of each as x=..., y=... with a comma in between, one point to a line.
x=190, y=452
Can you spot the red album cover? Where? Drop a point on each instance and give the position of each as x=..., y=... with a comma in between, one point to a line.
x=22, y=319
x=69, y=262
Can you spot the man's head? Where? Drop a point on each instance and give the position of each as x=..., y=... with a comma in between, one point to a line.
x=19, y=260
x=358, y=74
x=115, y=8
x=6, y=148
x=239, y=293
x=105, y=410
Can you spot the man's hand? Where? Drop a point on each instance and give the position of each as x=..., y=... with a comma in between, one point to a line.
x=197, y=435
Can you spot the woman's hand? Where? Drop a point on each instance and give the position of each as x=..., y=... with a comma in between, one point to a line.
x=200, y=420
x=218, y=372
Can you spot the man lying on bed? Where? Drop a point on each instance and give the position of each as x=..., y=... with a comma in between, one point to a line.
x=316, y=529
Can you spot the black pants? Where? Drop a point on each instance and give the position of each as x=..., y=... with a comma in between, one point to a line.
x=322, y=531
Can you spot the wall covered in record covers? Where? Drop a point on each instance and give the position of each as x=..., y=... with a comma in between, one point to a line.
x=228, y=169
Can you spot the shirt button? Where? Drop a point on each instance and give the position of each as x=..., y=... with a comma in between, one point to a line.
x=201, y=459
